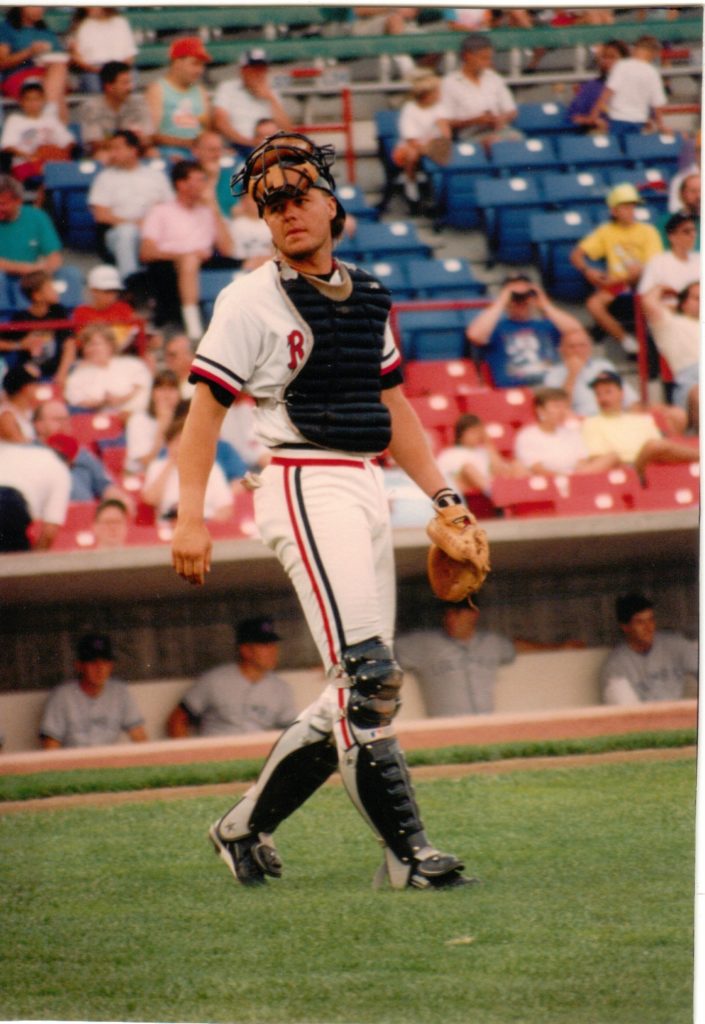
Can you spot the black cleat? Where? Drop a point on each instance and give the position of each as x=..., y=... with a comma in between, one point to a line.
x=249, y=860
x=439, y=871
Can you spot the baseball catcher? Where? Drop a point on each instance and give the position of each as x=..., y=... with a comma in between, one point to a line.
x=308, y=337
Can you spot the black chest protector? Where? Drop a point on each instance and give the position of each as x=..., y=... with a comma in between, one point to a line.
x=334, y=400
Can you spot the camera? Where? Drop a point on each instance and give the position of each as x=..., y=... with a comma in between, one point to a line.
x=530, y=293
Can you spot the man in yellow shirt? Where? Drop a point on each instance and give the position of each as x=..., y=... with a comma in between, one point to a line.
x=632, y=436
x=625, y=245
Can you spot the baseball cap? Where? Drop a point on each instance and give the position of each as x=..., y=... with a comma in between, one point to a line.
x=606, y=377
x=94, y=647
x=624, y=193
x=19, y=377
x=64, y=445
x=257, y=631
x=628, y=605
x=104, y=278
x=252, y=58
x=189, y=46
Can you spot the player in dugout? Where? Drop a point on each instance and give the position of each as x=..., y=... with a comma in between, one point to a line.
x=309, y=338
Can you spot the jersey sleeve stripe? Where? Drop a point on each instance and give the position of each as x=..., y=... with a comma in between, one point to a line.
x=223, y=373
x=197, y=371
x=395, y=362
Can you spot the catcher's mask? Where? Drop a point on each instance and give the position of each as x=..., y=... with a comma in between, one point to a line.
x=286, y=166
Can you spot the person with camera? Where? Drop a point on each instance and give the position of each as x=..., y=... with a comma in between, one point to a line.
x=519, y=333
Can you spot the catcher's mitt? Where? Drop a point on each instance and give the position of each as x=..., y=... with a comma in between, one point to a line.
x=459, y=558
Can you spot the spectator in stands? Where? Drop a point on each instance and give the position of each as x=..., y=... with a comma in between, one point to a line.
x=51, y=349
x=117, y=109
x=633, y=95
x=178, y=102
x=519, y=333
x=28, y=49
x=578, y=368
x=161, y=482
x=18, y=405
x=554, y=444
x=626, y=246
x=146, y=431
x=648, y=664
x=478, y=103
x=97, y=36
x=679, y=265
x=33, y=135
x=677, y=336
x=239, y=431
x=689, y=163
x=41, y=483
x=633, y=436
x=28, y=238
x=104, y=381
x=179, y=239
x=581, y=107
x=246, y=696
x=688, y=202
x=111, y=524
x=473, y=462
x=178, y=357
x=121, y=196
x=209, y=151
x=89, y=478
x=106, y=307
x=252, y=239
x=456, y=666
x=424, y=130
x=239, y=104
x=93, y=709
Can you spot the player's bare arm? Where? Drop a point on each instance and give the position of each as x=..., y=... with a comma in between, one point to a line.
x=409, y=446
x=191, y=546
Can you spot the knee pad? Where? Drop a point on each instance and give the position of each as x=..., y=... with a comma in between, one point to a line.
x=375, y=681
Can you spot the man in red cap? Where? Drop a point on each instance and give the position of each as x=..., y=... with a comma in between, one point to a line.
x=178, y=103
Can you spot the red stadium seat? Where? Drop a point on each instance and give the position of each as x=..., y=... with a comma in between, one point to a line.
x=441, y=376
x=90, y=429
x=590, y=504
x=652, y=498
x=622, y=482
x=506, y=405
x=80, y=515
x=526, y=496
x=660, y=475
x=502, y=436
x=437, y=412
x=113, y=458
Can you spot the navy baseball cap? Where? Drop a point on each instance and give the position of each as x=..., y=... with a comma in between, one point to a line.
x=628, y=605
x=94, y=647
x=257, y=631
x=606, y=377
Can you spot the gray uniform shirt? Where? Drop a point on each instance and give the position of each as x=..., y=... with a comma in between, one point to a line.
x=77, y=720
x=225, y=702
x=457, y=677
x=628, y=677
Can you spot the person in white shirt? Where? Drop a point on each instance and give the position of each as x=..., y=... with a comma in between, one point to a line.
x=554, y=444
x=252, y=239
x=101, y=380
x=423, y=127
x=677, y=335
x=34, y=134
x=122, y=195
x=239, y=104
x=473, y=461
x=99, y=35
x=477, y=100
x=679, y=265
x=44, y=482
x=633, y=95
x=578, y=368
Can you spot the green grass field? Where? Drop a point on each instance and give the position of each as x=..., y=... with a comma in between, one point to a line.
x=584, y=914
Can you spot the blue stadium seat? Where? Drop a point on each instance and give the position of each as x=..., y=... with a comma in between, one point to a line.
x=553, y=236
x=453, y=184
x=436, y=334
x=394, y=276
x=7, y=302
x=443, y=279
x=376, y=242
x=67, y=183
x=520, y=156
x=542, y=118
x=211, y=283
x=589, y=152
x=506, y=205
x=584, y=191
x=654, y=150
x=387, y=132
x=69, y=284
x=651, y=183
x=354, y=202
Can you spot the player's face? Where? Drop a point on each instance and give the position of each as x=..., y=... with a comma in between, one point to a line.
x=301, y=227
x=640, y=630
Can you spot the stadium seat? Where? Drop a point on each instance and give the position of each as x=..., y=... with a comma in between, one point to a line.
x=661, y=475
x=511, y=157
x=503, y=405
x=599, y=503
x=443, y=376
x=622, y=482
x=69, y=283
x=387, y=132
x=525, y=496
x=67, y=183
x=437, y=412
x=113, y=458
x=354, y=202
x=393, y=275
x=502, y=436
x=506, y=205
x=211, y=283
x=668, y=497
x=80, y=515
x=7, y=303
x=443, y=279
x=387, y=241
x=542, y=119
x=553, y=236
x=654, y=149
x=651, y=183
x=453, y=184
x=438, y=334
x=583, y=191
x=589, y=152
x=93, y=429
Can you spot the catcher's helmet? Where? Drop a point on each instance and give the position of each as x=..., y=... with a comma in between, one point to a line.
x=287, y=165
